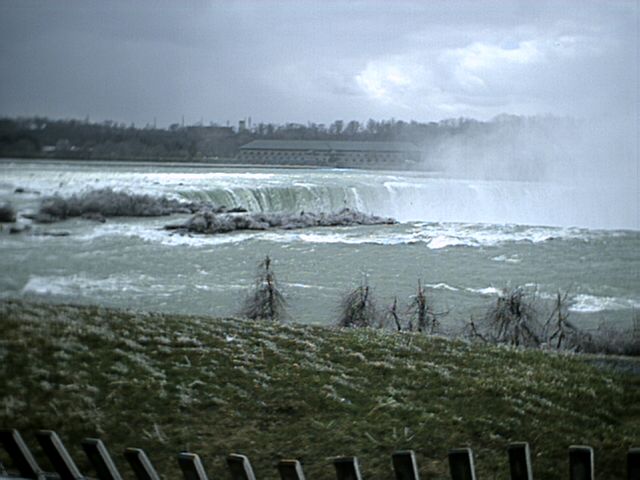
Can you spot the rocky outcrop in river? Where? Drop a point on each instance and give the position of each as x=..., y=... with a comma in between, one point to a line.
x=209, y=222
x=102, y=203
x=206, y=218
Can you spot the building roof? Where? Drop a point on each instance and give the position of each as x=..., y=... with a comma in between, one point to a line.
x=345, y=146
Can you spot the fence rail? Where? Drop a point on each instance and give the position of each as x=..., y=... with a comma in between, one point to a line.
x=461, y=462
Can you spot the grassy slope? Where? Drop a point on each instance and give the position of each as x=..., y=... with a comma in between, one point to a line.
x=215, y=386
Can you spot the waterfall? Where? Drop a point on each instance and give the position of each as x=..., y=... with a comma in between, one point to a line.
x=405, y=196
x=437, y=200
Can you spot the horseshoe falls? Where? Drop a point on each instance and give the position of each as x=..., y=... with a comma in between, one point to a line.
x=464, y=239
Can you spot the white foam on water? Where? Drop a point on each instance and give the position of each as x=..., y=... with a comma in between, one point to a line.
x=324, y=238
x=584, y=303
x=485, y=235
x=441, y=286
x=444, y=241
x=156, y=234
x=504, y=258
x=354, y=237
x=485, y=291
x=219, y=288
x=435, y=236
x=159, y=236
x=438, y=236
x=299, y=285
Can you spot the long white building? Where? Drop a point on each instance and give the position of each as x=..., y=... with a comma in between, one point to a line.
x=330, y=153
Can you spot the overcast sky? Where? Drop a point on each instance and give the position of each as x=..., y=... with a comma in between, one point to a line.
x=300, y=61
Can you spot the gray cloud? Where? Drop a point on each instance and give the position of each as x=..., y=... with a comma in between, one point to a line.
x=312, y=60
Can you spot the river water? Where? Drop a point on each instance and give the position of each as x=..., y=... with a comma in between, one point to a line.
x=464, y=239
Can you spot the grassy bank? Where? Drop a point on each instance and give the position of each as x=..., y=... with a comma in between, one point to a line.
x=168, y=383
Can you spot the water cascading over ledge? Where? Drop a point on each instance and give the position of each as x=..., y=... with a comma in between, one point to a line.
x=437, y=200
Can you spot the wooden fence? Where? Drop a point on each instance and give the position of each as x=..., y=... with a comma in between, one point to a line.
x=461, y=463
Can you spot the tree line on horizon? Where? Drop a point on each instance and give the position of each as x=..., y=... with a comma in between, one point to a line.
x=34, y=137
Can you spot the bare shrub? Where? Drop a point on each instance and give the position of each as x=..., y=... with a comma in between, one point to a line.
x=358, y=308
x=611, y=341
x=266, y=302
x=559, y=332
x=7, y=213
x=513, y=319
x=472, y=331
x=392, y=313
x=422, y=316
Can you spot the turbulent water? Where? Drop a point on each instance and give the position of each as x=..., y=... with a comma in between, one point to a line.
x=464, y=239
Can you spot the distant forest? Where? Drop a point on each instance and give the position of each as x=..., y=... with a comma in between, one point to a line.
x=39, y=137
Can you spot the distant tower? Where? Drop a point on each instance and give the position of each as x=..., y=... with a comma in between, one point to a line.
x=242, y=126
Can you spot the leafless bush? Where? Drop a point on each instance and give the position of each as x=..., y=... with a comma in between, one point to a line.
x=611, y=341
x=266, y=302
x=559, y=332
x=358, y=308
x=392, y=313
x=7, y=213
x=513, y=319
x=421, y=314
x=473, y=331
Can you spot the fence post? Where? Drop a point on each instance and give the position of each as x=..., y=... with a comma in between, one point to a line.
x=633, y=464
x=520, y=461
x=405, y=465
x=140, y=464
x=19, y=453
x=347, y=468
x=99, y=457
x=240, y=467
x=581, y=462
x=290, y=470
x=55, y=450
x=461, y=464
x=191, y=466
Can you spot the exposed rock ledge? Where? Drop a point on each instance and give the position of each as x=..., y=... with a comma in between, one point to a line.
x=102, y=203
x=209, y=222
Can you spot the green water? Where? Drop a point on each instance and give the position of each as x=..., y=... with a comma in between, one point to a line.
x=453, y=248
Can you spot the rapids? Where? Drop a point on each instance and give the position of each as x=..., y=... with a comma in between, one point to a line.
x=465, y=239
